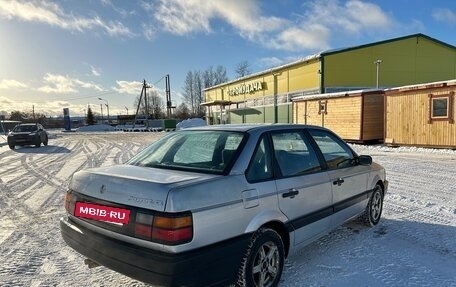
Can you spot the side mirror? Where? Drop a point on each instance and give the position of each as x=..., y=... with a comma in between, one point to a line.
x=365, y=160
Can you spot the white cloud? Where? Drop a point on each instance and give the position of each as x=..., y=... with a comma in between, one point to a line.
x=444, y=15
x=12, y=84
x=311, y=31
x=149, y=31
x=60, y=84
x=52, y=14
x=350, y=17
x=49, y=108
x=122, y=12
x=126, y=87
x=94, y=71
x=184, y=17
x=314, y=37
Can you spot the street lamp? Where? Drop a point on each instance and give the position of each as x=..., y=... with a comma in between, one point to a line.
x=101, y=108
x=107, y=107
x=377, y=63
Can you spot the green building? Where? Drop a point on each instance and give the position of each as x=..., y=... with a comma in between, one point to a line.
x=265, y=97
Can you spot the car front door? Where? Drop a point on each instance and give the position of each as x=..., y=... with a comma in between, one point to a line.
x=348, y=178
x=304, y=190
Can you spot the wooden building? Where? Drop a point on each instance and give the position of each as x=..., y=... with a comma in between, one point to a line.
x=355, y=116
x=421, y=115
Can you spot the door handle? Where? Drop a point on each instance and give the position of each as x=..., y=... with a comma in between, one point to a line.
x=291, y=193
x=338, y=181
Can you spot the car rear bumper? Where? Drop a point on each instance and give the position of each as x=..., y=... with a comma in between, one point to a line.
x=29, y=140
x=216, y=265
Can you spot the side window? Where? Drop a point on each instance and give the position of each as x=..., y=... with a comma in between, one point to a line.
x=337, y=154
x=260, y=167
x=294, y=154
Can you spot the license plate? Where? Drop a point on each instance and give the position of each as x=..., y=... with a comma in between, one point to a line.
x=102, y=213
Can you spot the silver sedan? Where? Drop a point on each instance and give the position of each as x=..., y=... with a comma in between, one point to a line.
x=220, y=205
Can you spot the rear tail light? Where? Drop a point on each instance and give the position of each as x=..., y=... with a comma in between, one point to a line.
x=70, y=202
x=164, y=228
x=170, y=229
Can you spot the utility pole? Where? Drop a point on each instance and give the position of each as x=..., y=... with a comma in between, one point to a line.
x=101, y=107
x=107, y=107
x=143, y=92
x=168, y=97
x=146, y=100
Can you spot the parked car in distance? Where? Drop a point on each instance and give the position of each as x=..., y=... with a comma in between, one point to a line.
x=27, y=134
x=220, y=205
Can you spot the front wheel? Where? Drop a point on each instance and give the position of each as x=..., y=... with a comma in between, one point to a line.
x=374, y=207
x=11, y=146
x=263, y=263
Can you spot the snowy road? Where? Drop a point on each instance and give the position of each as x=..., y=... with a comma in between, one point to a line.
x=414, y=244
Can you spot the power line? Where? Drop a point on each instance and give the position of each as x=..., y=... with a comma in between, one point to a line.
x=78, y=98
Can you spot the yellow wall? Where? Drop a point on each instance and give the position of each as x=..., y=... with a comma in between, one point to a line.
x=404, y=62
x=301, y=76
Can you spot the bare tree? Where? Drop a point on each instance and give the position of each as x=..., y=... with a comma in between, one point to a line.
x=209, y=77
x=198, y=89
x=220, y=75
x=182, y=112
x=155, y=105
x=196, y=82
x=215, y=77
x=189, y=92
x=242, y=69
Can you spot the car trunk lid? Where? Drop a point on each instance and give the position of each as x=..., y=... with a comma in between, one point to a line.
x=131, y=185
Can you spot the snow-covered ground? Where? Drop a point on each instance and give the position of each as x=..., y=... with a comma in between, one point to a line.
x=413, y=245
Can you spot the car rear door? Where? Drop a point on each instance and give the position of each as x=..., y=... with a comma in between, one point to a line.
x=348, y=178
x=304, y=190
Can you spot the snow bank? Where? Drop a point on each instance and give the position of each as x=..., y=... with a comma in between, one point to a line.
x=190, y=123
x=96, y=128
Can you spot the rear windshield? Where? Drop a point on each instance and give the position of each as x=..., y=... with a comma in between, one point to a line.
x=28, y=128
x=200, y=151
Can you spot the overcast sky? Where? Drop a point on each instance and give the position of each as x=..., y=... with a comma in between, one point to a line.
x=56, y=54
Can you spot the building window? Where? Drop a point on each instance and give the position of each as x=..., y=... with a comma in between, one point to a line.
x=441, y=108
x=322, y=107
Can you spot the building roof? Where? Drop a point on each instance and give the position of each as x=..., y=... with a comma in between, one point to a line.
x=422, y=86
x=337, y=95
x=346, y=49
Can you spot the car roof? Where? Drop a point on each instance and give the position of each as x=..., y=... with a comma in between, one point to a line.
x=28, y=124
x=251, y=127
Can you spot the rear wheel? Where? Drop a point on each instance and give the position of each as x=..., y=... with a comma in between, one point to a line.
x=263, y=263
x=374, y=207
x=11, y=146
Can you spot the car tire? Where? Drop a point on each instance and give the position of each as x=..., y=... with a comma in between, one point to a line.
x=263, y=262
x=45, y=142
x=11, y=146
x=374, y=207
x=38, y=142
